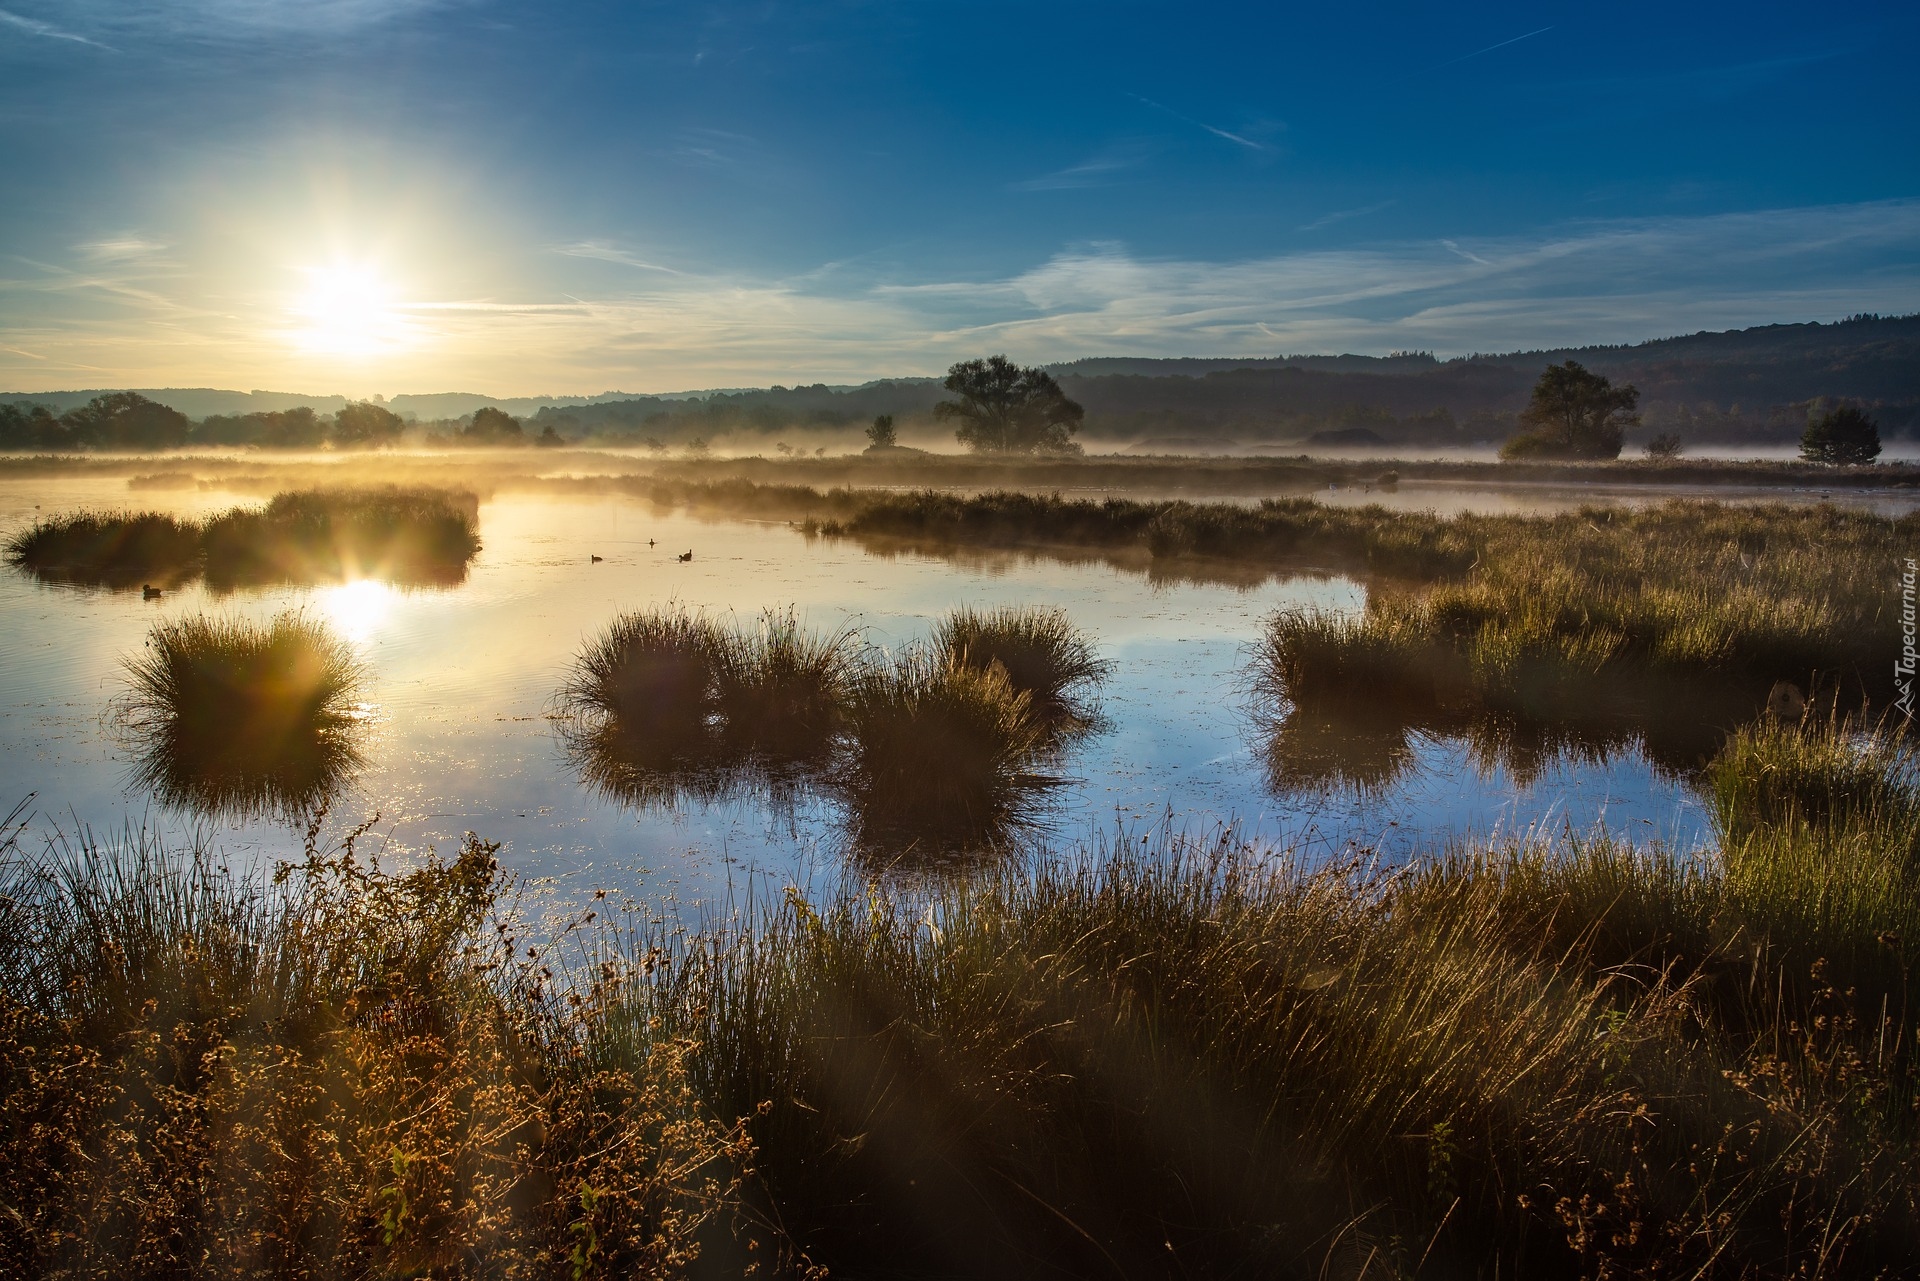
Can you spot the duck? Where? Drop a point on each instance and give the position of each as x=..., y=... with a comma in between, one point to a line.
x=686, y=555
x=149, y=592
x=596, y=559
x=649, y=542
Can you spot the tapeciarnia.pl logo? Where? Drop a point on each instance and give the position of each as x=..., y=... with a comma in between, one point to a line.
x=1903, y=667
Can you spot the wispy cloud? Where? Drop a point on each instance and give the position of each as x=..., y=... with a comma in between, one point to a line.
x=1453, y=248
x=46, y=30
x=1095, y=171
x=1238, y=139
x=1342, y=215
x=603, y=252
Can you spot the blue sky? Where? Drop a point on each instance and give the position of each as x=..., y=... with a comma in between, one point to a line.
x=401, y=195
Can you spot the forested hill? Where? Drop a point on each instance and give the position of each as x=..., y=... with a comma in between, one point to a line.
x=1749, y=385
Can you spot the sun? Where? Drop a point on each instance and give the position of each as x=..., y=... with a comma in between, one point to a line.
x=348, y=309
x=357, y=608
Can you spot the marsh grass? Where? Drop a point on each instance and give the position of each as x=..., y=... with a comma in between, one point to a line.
x=1162, y=1056
x=424, y=537
x=339, y=1072
x=1044, y=655
x=940, y=755
x=120, y=549
x=416, y=536
x=236, y=718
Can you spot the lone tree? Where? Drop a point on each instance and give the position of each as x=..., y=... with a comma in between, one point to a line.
x=1845, y=435
x=362, y=422
x=490, y=423
x=1005, y=408
x=881, y=433
x=1574, y=413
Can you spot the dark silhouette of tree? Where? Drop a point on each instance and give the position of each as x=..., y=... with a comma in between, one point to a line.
x=1002, y=407
x=494, y=424
x=881, y=433
x=1574, y=413
x=549, y=438
x=1665, y=445
x=125, y=420
x=31, y=427
x=362, y=422
x=1846, y=436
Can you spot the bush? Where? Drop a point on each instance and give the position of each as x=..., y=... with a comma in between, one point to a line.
x=1665, y=445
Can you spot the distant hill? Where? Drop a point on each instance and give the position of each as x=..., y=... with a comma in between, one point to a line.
x=1741, y=386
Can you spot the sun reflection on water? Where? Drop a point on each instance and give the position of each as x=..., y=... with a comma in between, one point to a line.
x=358, y=608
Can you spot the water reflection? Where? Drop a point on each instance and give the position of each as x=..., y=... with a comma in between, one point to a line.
x=233, y=720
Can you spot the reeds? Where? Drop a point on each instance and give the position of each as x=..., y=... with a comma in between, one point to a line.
x=231, y=717
x=417, y=536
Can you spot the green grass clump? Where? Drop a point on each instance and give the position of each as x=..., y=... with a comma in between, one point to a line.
x=1043, y=654
x=343, y=1072
x=939, y=753
x=121, y=549
x=233, y=717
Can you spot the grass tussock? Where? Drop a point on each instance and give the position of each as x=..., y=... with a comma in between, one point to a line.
x=415, y=536
x=667, y=705
x=1044, y=655
x=233, y=717
x=940, y=753
x=341, y=1073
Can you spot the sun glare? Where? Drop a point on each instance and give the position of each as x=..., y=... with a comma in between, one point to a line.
x=357, y=608
x=348, y=309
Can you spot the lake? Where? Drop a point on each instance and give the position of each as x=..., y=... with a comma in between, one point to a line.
x=462, y=680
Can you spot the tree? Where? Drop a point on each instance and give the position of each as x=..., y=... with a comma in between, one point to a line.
x=1665, y=445
x=1003, y=407
x=490, y=423
x=126, y=419
x=362, y=422
x=881, y=433
x=1845, y=436
x=1574, y=413
x=31, y=427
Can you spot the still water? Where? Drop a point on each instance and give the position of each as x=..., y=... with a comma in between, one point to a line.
x=461, y=681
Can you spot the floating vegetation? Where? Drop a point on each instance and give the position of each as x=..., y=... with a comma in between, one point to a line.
x=238, y=719
x=424, y=537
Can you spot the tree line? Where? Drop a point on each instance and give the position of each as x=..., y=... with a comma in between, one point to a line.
x=128, y=420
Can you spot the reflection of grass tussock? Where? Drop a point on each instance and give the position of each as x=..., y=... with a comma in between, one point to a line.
x=939, y=752
x=233, y=717
x=119, y=549
x=424, y=536
x=1200, y=1061
x=1043, y=654
x=347, y=1073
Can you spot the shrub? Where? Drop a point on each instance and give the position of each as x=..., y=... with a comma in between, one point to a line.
x=232, y=717
x=1665, y=445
